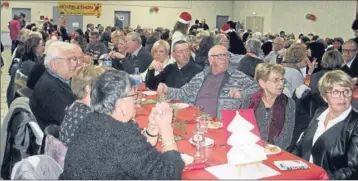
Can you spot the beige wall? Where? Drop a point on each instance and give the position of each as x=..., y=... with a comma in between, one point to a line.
x=168, y=12
x=247, y=8
x=334, y=18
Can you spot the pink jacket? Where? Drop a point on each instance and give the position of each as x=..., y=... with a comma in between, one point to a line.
x=14, y=27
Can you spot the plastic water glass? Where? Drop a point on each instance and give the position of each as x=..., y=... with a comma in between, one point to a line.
x=202, y=124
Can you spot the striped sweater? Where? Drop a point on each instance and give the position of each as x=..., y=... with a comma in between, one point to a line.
x=232, y=79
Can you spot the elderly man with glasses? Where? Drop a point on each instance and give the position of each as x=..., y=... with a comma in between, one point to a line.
x=52, y=93
x=218, y=87
x=137, y=56
x=349, y=52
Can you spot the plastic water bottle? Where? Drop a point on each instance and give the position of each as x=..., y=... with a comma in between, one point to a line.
x=137, y=78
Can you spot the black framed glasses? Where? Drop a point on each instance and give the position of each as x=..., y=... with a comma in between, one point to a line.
x=336, y=94
x=348, y=51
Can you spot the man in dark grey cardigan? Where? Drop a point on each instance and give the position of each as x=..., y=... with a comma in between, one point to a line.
x=137, y=55
x=216, y=88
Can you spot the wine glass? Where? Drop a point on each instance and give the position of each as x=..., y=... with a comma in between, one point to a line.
x=199, y=140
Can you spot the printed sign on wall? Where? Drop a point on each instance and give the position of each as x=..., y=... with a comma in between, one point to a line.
x=86, y=9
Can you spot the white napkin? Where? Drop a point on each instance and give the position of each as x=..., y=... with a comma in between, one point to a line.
x=242, y=138
x=227, y=171
x=239, y=123
x=248, y=154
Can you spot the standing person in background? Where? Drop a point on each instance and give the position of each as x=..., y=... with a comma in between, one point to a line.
x=14, y=27
x=117, y=22
x=355, y=30
x=22, y=20
x=180, y=30
x=203, y=25
x=90, y=28
x=194, y=26
x=106, y=36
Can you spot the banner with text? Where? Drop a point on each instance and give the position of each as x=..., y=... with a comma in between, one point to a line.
x=86, y=9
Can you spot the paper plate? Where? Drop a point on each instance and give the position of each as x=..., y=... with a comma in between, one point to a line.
x=187, y=158
x=215, y=125
x=144, y=99
x=180, y=105
x=208, y=141
x=272, y=149
x=149, y=93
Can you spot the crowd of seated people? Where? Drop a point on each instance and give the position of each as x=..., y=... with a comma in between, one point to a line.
x=93, y=103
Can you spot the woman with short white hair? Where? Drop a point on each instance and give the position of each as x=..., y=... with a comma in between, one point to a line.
x=248, y=63
x=331, y=139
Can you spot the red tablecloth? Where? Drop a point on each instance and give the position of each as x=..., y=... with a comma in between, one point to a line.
x=219, y=151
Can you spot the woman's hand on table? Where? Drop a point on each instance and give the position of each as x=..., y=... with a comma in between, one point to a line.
x=162, y=88
x=163, y=115
x=157, y=66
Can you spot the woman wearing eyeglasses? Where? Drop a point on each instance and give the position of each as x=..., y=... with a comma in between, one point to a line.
x=274, y=111
x=109, y=145
x=331, y=139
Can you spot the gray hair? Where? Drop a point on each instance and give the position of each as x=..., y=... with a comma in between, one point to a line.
x=351, y=41
x=332, y=60
x=36, y=33
x=107, y=89
x=254, y=46
x=135, y=37
x=218, y=39
x=55, y=49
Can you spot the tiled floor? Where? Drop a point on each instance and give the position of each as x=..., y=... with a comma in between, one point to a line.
x=5, y=78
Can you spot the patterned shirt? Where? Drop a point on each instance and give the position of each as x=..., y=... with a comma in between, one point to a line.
x=74, y=117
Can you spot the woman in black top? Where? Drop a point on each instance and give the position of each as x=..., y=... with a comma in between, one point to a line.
x=110, y=146
x=331, y=60
x=331, y=139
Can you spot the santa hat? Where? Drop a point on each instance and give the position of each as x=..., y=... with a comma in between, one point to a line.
x=225, y=28
x=185, y=18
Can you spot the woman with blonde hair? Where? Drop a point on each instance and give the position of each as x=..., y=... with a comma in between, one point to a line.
x=181, y=27
x=77, y=111
x=160, y=54
x=296, y=57
x=331, y=139
x=274, y=111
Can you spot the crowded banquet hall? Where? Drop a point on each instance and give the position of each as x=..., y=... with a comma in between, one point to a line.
x=179, y=90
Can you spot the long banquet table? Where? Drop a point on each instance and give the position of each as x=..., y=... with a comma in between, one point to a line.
x=218, y=155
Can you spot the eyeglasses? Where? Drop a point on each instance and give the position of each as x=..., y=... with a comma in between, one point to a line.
x=224, y=55
x=276, y=81
x=135, y=95
x=348, y=51
x=336, y=94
